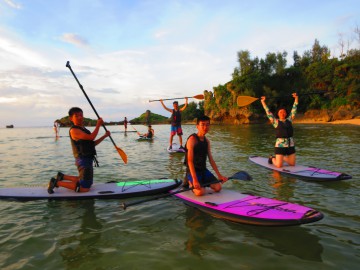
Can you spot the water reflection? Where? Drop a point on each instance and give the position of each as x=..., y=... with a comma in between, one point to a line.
x=82, y=245
x=296, y=241
x=175, y=165
x=282, y=188
x=199, y=239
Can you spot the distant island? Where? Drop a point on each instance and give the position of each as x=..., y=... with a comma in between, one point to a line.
x=146, y=118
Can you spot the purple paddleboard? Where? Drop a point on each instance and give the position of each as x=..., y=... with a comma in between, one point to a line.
x=255, y=210
x=175, y=149
x=305, y=172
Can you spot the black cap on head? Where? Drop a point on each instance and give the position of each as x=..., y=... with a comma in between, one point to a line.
x=175, y=102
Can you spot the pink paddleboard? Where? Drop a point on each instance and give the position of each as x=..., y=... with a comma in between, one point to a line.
x=249, y=209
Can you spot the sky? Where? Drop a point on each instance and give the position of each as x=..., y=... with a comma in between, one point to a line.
x=126, y=53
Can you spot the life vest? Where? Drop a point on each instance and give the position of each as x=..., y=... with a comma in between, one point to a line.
x=176, y=118
x=82, y=148
x=284, y=129
x=200, y=153
x=149, y=135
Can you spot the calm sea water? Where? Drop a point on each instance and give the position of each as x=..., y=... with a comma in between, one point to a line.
x=166, y=234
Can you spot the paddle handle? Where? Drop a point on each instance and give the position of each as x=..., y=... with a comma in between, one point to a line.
x=88, y=99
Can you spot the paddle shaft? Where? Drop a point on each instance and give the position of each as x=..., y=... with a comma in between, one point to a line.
x=88, y=99
x=126, y=205
x=242, y=175
x=305, y=94
x=247, y=100
x=197, y=97
x=135, y=130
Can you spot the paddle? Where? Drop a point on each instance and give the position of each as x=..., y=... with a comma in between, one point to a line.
x=119, y=150
x=241, y=175
x=247, y=100
x=196, y=97
x=136, y=130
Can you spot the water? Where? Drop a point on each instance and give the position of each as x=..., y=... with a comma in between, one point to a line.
x=166, y=234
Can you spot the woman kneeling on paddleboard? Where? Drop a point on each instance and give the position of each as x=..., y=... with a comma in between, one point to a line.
x=284, y=145
x=197, y=151
x=83, y=144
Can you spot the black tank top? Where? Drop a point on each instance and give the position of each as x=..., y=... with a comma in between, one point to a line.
x=200, y=153
x=176, y=118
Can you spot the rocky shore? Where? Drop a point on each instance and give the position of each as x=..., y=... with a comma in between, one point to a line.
x=343, y=115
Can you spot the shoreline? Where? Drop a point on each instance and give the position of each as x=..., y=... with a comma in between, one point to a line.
x=355, y=121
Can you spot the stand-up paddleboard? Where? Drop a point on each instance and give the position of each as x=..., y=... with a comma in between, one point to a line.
x=249, y=209
x=305, y=172
x=175, y=149
x=126, y=189
x=144, y=139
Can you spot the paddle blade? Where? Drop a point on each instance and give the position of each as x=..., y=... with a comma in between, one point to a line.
x=199, y=97
x=241, y=175
x=245, y=100
x=122, y=154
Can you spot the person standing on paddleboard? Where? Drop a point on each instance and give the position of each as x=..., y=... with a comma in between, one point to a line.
x=175, y=121
x=284, y=144
x=83, y=145
x=197, y=151
x=125, y=123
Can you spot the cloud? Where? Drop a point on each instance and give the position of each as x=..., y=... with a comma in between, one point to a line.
x=74, y=39
x=13, y=4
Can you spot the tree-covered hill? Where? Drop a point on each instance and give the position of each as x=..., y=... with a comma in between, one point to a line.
x=337, y=82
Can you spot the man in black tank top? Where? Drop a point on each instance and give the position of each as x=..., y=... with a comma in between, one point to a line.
x=83, y=144
x=197, y=151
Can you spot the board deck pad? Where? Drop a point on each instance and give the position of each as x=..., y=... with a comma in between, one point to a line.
x=249, y=209
x=123, y=189
x=175, y=149
x=305, y=172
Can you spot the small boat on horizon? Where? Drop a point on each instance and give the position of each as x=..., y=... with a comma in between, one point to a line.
x=10, y=126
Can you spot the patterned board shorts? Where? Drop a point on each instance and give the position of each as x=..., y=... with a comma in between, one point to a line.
x=176, y=130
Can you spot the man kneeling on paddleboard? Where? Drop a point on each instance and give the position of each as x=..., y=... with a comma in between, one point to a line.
x=197, y=151
x=83, y=144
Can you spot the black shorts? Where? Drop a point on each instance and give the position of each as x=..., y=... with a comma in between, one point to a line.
x=205, y=178
x=285, y=151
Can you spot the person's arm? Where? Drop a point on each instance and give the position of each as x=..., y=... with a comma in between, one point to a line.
x=107, y=134
x=186, y=103
x=267, y=111
x=213, y=164
x=77, y=134
x=190, y=162
x=294, y=107
x=166, y=108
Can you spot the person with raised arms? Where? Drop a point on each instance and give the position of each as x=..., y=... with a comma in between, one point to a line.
x=175, y=121
x=198, y=150
x=83, y=145
x=284, y=144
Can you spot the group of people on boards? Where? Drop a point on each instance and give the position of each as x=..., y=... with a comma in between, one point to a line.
x=197, y=148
